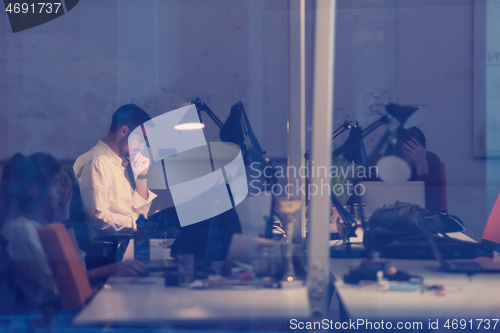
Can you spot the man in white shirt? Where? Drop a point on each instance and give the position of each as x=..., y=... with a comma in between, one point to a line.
x=110, y=201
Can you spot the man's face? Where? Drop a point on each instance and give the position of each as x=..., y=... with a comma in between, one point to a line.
x=132, y=144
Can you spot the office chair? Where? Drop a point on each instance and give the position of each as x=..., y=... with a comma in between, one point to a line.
x=491, y=234
x=10, y=304
x=69, y=275
x=101, y=251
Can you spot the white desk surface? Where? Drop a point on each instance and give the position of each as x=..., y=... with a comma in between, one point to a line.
x=477, y=297
x=147, y=301
x=474, y=298
x=136, y=301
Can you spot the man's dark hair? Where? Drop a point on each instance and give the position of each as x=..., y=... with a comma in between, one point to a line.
x=129, y=115
x=415, y=133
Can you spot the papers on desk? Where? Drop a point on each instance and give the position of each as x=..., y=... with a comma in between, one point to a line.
x=158, y=250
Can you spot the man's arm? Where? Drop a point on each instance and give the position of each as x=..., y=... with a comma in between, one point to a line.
x=94, y=187
x=433, y=176
x=140, y=166
x=141, y=189
x=143, y=197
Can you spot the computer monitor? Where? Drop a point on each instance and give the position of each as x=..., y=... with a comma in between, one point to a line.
x=253, y=213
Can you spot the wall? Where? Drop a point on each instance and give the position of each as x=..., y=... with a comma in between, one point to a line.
x=435, y=67
x=61, y=81
x=424, y=55
x=419, y=52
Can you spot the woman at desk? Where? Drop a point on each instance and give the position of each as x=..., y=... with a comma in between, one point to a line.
x=34, y=191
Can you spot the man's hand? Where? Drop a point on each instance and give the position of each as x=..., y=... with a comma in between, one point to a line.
x=418, y=154
x=139, y=164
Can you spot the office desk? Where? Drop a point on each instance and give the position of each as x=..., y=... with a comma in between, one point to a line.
x=474, y=298
x=147, y=302
x=465, y=298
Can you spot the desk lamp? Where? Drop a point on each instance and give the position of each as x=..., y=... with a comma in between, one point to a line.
x=203, y=107
x=353, y=150
x=196, y=232
x=235, y=130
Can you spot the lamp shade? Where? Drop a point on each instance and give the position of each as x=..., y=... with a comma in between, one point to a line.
x=392, y=168
x=189, y=122
x=189, y=126
x=234, y=130
x=407, y=115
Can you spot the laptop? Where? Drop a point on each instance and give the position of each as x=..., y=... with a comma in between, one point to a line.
x=378, y=194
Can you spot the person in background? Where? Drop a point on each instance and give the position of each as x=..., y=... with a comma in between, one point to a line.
x=425, y=166
x=111, y=198
x=33, y=192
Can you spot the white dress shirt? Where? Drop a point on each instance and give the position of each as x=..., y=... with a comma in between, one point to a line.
x=31, y=269
x=111, y=204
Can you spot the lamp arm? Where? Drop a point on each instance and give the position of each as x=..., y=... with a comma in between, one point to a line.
x=268, y=233
x=203, y=107
x=349, y=221
x=344, y=127
x=380, y=121
x=273, y=180
x=342, y=149
x=212, y=115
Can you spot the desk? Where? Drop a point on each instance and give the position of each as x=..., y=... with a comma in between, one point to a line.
x=475, y=298
x=465, y=298
x=146, y=301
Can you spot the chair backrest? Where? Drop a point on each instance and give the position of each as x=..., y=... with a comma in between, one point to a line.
x=8, y=304
x=444, y=196
x=69, y=275
x=492, y=230
x=77, y=218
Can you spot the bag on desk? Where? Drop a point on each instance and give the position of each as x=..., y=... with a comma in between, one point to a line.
x=399, y=232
